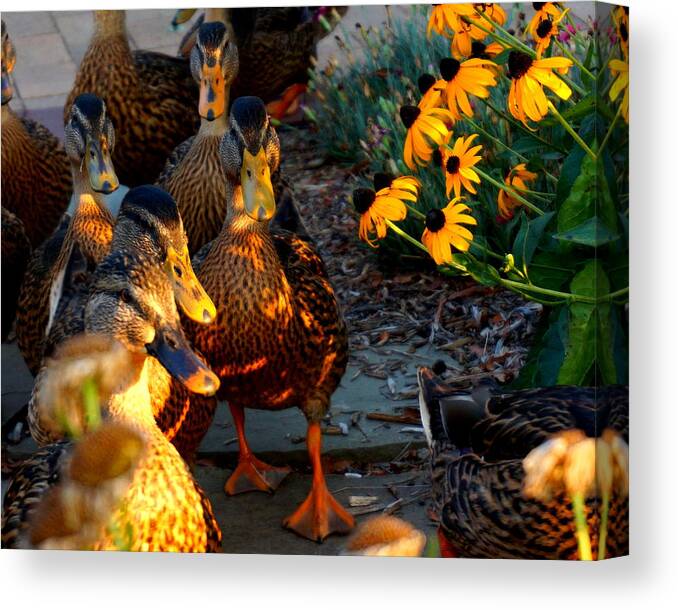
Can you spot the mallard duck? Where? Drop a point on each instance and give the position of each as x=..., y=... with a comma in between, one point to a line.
x=90, y=140
x=150, y=97
x=131, y=302
x=148, y=223
x=479, y=442
x=193, y=174
x=36, y=177
x=15, y=252
x=279, y=339
x=276, y=47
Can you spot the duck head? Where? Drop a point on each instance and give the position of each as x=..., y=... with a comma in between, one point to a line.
x=132, y=301
x=149, y=220
x=214, y=65
x=250, y=153
x=89, y=139
x=8, y=61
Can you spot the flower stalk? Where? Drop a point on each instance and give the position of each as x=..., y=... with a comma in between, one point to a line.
x=577, y=138
x=581, y=527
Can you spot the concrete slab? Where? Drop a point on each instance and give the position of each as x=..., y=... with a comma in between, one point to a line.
x=46, y=49
x=251, y=523
x=28, y=23
x=42, y=80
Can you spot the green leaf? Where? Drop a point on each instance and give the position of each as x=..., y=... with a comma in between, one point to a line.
x=569, y=171
x=583, y=340
x=579, y=205
x=528, y=237
x=481, y=272
x=550, y=270
x=581, y=108
x=605, y=339
x=589, y=233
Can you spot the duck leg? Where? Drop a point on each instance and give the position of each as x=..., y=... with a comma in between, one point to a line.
x=251, y=474
x=320, y=514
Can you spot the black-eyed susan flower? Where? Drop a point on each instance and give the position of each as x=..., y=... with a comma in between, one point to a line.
x=445, y=18
x=517, y=178
x=386, y=203
x=527, y=99
x=457, y=163
x=620, y=70
x=543, y=10
x=426, y=130
x=431, y=96
x=461, y=78
x=620, y=16
x=480, y=50
x=547, y=29
x=445, y=229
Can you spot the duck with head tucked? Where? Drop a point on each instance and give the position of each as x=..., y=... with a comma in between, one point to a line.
x=36, y=177
x=505, y=464
x=131, y=302
x=280, y=339
x=150, y=97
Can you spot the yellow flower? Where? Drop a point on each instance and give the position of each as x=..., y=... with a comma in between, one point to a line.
x=426, y=130
x=517, y=178
x=480, y=50
x=444, y=229
x=493, y=11
x=460, y=78
x=431, y=96
x=546, y=29
x=445, y=18
x=544, y=10
x=620, y=15
x=386, y=203
x=620, y=70
x=457, y=163
x=527, y=99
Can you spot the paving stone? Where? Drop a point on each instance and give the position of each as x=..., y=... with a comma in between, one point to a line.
x=28, y=24
x=76, y=30
x=41, y=80
x=45, y=49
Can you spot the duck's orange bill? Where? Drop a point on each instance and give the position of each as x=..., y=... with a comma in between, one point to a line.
x=100, y=168
x=212, y=95
x=257, y=190
x=188, y=291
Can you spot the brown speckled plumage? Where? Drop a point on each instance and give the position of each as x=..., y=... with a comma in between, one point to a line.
x=91, y=228
x=36, y=176
x=16, y=250
x=150, y=97
x=479, y=496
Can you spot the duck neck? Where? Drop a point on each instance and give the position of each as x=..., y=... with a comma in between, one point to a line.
x=87, y=199
x=216, y=14
x=238, y=223
x=109, y=23
x=218, y=126
x=131, y=402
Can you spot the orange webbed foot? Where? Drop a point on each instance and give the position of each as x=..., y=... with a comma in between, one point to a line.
x=320, y=515
x=254, y=475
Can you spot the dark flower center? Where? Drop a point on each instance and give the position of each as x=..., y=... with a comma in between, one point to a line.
x=452, y=165
x=382, y=180
x=409, y=115
x=623, y=32
x=518, y=64
x=449, y=68
x=544, y=28
x=478, y=50
x=425, y=82
x=435, y=220
x=363, y=198
x=437, y=158
x=538, y=5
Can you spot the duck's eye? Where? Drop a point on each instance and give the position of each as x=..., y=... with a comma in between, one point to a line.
x=125, y=296
x=177, y=271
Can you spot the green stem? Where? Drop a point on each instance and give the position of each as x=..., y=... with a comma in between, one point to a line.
x=494, y=139
x=577, y=138
x=509, y=37
x=415, y=211
x=609, y=131
x=522, y=127
x=511, y=191
x=617, y=293
x=406, y=236
x=574, y=60
x=581, y=527
x=90, y=398
x=487, y=251
x=602, y=537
